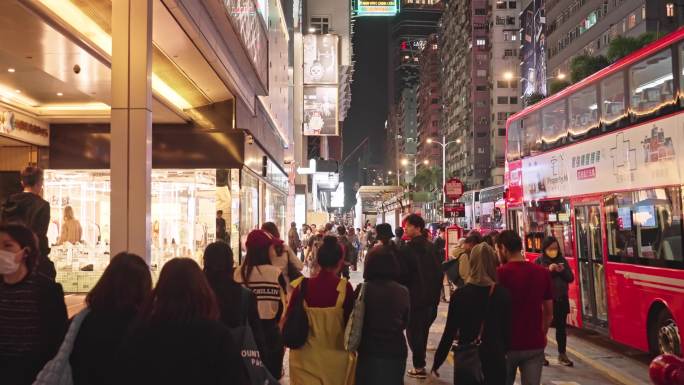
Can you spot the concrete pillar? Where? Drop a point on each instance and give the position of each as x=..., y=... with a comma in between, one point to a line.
x=131, y=126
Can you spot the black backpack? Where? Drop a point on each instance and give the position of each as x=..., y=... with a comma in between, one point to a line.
x=296, y=326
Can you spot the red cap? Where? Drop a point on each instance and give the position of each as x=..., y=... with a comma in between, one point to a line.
x=259, y=239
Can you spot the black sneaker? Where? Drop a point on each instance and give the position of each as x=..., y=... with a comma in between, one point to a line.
x=564, y=360
x=546, y=362
x=417, y=373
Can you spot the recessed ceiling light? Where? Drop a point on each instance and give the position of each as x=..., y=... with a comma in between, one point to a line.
x=11, y=70
x=60, y=94
x=17, y=91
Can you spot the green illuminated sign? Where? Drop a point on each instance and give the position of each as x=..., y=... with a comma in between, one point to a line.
x=377, y=7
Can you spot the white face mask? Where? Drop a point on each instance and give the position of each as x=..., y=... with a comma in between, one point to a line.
x=8, y=262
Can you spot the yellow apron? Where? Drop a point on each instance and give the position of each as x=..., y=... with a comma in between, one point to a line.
x=323, y=360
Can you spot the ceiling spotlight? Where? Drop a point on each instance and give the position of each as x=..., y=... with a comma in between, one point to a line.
x=60, y=94
x=11, y=70
x=17, y=91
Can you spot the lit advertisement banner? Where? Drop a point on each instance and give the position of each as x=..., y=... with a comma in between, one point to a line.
x=377, y=7
x=320, y=110
x=321, y=59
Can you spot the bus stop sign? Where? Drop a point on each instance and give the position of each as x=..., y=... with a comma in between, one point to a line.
x=453, y=189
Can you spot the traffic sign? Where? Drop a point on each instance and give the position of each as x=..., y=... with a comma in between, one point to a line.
x=453, y=188
x=454, y=210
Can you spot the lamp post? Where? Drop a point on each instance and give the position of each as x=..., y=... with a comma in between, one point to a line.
x=444, y=145
x=404, y=162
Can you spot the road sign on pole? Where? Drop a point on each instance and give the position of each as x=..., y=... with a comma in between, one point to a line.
x=453, y=189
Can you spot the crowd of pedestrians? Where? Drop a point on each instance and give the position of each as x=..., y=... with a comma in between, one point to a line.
x=230, y=323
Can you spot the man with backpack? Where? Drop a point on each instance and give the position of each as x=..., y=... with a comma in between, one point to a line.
x=31, y=210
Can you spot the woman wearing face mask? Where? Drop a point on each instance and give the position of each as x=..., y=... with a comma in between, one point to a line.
x=33, y=316
x=561, y=276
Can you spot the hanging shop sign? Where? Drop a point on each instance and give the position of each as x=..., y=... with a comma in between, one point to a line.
x=321, y=59
x=321, y=111
x=453, y=188
x=454, y=210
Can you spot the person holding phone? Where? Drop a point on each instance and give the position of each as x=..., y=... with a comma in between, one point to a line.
x=561, y=276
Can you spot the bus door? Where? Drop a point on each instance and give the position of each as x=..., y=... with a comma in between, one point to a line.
x=514, y=221
x=591, y=264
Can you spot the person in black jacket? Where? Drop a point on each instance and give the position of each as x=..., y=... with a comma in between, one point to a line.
x=425, y=288
x=219, y=268
x=561, y=276
x=28, y=208
x=488, y=309
x=114, y=303
x=178, y=338
x=33, y=316
x=383, y=351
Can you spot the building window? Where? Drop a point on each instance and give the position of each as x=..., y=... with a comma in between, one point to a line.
x=501, y=132
x=482, y=73
x=501, y=84
x=434, y=47
x=320, y=24
x=480, y=88
x=513, y=100
x=500, y=4
x=500, y=20
x=669, y=9
x=510, y=20
x=631, y=21
x=512, y=4
x=502, y=100
x=480, y=104
x=435, y=123
x=480, y=42
x=480, y=12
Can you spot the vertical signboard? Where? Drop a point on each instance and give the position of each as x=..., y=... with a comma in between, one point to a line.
x=320, y=110
x=321, y=59
x=533, y=48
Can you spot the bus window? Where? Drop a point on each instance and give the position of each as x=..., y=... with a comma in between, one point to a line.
x=650, y=83
x=645, y=227
x=554, y=128
x=613, y=96
x=515, y=141
x=548, y=218
x=532, y=131
x=583, y=113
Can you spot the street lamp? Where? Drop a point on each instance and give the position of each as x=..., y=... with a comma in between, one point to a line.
x=426, y=162
x=405, y=162
x=444, y=145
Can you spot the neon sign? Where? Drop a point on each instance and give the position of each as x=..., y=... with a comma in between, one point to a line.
x=377, y=7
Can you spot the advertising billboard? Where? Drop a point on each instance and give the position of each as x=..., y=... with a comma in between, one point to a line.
x=377, y=7
x=321, y=59
x=533, y=48
x=320, y=110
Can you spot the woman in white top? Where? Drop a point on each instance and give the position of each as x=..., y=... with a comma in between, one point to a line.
x=283, y=257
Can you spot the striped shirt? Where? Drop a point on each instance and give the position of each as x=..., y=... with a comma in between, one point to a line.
x=19, y=319
x=268, y=285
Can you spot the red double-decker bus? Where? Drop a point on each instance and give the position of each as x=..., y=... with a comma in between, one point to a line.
x=600, y=166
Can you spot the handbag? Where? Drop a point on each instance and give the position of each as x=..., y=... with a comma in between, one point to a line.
x=296, y=326
x=354, y=328
x=249, y=351
x=58, y=370
x=467, y=364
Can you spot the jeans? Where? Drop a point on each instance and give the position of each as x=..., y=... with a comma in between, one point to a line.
x=373, y=370
x=530, y=363
x=274, y=351
x=418, y=330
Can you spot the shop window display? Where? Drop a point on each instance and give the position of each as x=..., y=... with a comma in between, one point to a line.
x=183, y=220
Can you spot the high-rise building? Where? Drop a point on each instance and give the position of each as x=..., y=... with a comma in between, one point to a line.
x=408, y=109
x=466, y=92
x=408, y=35
x=588, y=26
x=429, y=104
x=504, y=66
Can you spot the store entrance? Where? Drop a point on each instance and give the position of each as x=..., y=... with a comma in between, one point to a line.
x=591, y=264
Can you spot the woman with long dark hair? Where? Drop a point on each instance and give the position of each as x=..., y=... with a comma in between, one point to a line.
x=268, y=284
x=33, y=316
x=383, y=351
x=328, y=302
x=561, y=276
x=282, y=256
x=178, y=338
x=114, y=303
x=219, y=269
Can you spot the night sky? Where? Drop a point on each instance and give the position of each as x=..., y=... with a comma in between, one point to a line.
x=368, y=110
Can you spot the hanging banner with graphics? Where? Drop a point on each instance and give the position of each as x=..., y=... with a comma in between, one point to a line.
x=320, y=110
x=321, y=59
x=639, y=157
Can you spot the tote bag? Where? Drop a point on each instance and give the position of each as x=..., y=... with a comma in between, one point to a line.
x=249, y=351
x=58, y=370
x=354, y=329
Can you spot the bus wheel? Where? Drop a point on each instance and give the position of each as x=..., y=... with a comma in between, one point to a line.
x=666, y=334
